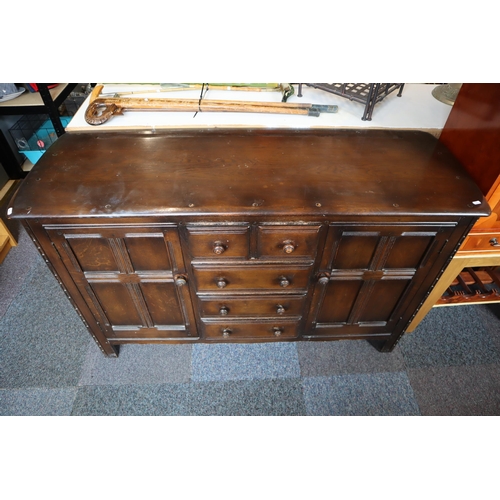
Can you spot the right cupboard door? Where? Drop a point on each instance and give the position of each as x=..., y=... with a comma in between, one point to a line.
x=369, y=275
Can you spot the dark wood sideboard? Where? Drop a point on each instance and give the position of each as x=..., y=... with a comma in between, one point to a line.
x=247, y=235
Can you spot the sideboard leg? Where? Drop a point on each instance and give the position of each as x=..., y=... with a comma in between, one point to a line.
x=113, y=351
x=384, y=345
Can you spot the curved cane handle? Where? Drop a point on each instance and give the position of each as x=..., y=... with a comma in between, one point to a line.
x=99, y=112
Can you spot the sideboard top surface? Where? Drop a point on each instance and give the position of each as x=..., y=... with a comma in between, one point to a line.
x=248, y=172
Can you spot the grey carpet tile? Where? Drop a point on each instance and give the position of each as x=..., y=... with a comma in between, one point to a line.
x=245, y=361
x=490, y=315
x=270, y=397
x=457, y=390
x=379, y=394
x=15, y=268
x=257, y=397
x=450, y=336
x=346, y=356
x=132, y=400
x=138, y=364
x=43, y=342
x=36, y=402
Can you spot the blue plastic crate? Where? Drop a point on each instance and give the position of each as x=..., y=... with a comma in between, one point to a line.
x=33, y=137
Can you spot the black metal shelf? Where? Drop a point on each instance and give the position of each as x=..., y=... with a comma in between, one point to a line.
x=46, y=105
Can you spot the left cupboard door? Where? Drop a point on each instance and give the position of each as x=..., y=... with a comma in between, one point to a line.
x=133, y=279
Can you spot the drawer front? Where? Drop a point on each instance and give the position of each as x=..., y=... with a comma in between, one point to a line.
x=285, y=306
x=482, y=242
x=251, y=278
x=276, y=330
x=219, y=242
x=288, y=241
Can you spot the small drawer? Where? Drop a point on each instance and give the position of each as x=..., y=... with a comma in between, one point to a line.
x=218, y=241
x=246, y=331
x=284, y=306
x=482, y=242
x=288, y=241
x=232, y=278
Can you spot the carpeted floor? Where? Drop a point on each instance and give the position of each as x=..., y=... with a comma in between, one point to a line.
x=49, y=365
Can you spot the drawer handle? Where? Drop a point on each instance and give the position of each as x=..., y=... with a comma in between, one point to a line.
x=288, y=246
x=494, y=242
x=226, y=332
x=284, y=282
x=221, y=283
x=277, y=331
x=324, y=280
x=219, y=247
x=180, y=280
x=280, y=309
x=223, y=311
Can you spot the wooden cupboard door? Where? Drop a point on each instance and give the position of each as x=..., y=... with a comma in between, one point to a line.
x=368, y=276
x=132, y=278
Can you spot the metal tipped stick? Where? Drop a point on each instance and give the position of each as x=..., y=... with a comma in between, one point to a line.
x=101, y=109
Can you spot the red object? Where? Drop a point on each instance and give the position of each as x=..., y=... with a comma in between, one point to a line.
x=33, y=87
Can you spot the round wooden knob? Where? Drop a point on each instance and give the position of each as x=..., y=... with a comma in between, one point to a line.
x=180, y=280
x=277, y=331
x=324, y=280
x=223, y=311
x=280, y=309
x=221, y=283
x=284, y=282
x=219, y=247
x=288, y=247
x=226, y=332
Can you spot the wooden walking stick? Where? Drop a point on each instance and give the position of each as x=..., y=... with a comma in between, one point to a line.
x=101, y=109
x=286, y=89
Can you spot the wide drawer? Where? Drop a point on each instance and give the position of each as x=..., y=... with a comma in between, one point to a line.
x=251, y=278
x=252, y=306
x=219, y=241
x=287, y=241
x=245, y=331
x=482, y=242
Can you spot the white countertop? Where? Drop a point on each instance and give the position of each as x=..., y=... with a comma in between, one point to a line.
x=415, y=109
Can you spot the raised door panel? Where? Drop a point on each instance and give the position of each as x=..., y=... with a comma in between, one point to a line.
x=133, y=279
x=368, y=275
x=90, y=253
x=338, y=301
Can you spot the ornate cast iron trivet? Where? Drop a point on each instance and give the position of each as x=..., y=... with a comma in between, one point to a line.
x=368, y=94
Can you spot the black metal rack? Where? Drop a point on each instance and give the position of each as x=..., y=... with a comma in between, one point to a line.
x=47, y=105
x=368, y=94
